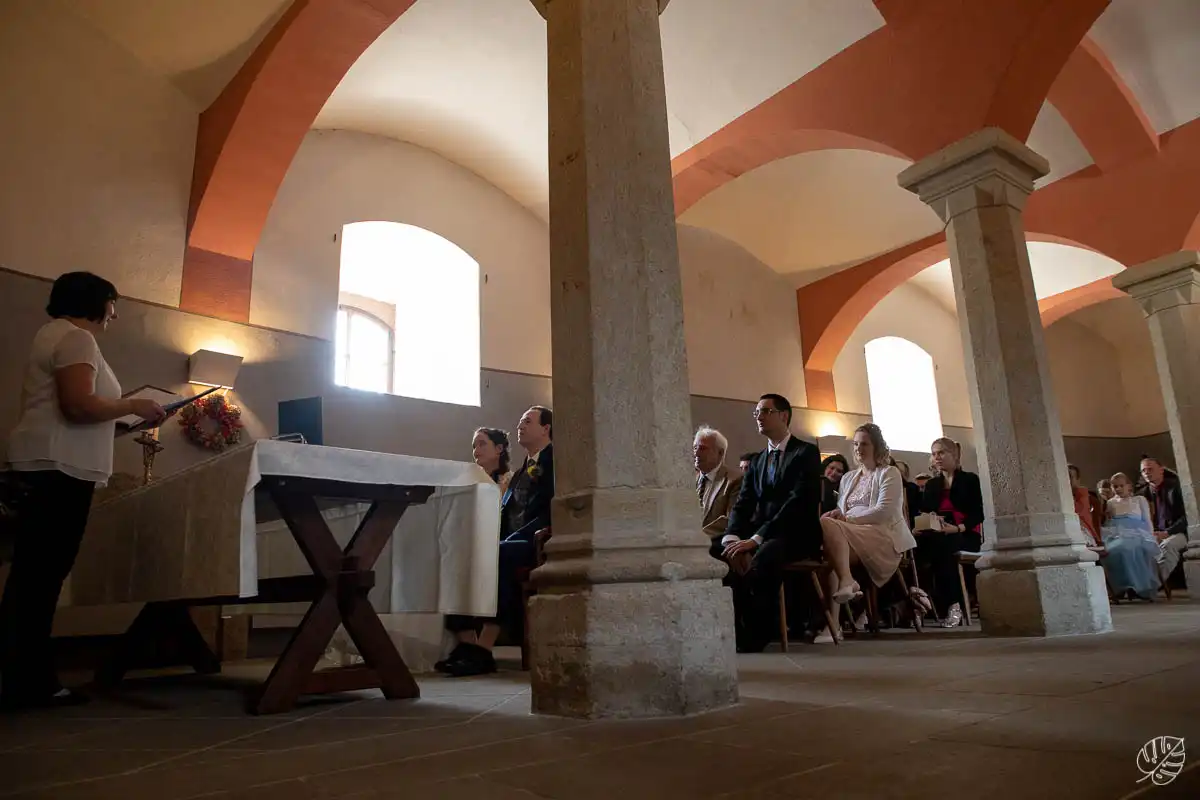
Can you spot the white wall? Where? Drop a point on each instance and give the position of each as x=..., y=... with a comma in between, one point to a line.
x=95, y=153
x=743, y=335
x=913, y=314
x=340, y=177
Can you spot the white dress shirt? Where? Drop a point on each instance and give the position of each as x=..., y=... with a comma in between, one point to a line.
x=781, y=448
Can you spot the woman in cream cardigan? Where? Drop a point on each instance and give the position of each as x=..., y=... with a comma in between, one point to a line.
x=868, y=526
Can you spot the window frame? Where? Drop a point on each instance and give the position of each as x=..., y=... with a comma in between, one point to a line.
x=351, y=311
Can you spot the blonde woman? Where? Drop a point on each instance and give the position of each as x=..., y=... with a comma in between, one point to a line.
x=1128, y=535
x=868, y=526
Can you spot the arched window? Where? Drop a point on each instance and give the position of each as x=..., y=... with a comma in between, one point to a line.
x=903, y=390
x=365, y=353
x=424, y=289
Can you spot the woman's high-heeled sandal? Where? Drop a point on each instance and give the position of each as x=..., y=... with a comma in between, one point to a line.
x=848, y=593
x=954, y=617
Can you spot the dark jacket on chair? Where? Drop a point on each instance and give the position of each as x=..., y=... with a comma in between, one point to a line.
x=535, y=483
x=965, y=494
x=789, y=508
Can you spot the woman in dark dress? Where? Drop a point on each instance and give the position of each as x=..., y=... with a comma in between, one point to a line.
x=832, y=470
x=956, y=496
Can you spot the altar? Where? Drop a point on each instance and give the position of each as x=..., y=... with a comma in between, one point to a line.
x=410, y=537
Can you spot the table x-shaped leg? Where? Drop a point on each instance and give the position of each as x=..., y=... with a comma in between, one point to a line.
x=346, y=576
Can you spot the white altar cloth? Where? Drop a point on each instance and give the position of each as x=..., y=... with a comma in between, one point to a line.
x=195, y=534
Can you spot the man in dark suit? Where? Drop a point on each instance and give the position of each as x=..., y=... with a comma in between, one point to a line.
x=1164, y=493
x=775, y=520
x=524, y=516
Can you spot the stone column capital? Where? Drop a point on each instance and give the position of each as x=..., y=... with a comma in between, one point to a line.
x=988, y=168
x=1166, y=282
x=542, y=6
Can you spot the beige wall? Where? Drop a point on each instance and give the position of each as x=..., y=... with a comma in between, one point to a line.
x=1120, y=326
x=96, y=155
x=912, y=314
x=743, y=335
x=339, y=177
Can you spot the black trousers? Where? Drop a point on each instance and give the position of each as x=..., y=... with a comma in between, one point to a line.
x=49, y=530
x=936, y=558
x=515, y=554
x=756, y=594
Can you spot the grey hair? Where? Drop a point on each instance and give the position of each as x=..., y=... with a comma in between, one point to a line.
x=706, y=431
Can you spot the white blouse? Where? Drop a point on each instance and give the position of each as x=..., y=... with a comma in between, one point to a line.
x=44, y=439
x=1135, y=506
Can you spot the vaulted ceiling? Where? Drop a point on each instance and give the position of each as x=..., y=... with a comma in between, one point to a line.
x=467, y=79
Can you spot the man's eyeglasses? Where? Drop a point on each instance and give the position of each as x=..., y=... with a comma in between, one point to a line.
x=758, y=413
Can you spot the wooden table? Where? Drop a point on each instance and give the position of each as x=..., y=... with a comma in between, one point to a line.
x=336, y=590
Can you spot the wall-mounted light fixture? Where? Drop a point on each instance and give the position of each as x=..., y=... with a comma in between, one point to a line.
x=213, y=369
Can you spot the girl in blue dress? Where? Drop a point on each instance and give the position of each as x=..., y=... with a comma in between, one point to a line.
x=1128, y=536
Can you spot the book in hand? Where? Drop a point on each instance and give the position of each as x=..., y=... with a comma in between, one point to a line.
x=169, y=401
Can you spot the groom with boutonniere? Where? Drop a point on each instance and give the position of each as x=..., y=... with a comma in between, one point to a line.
x=524, y=513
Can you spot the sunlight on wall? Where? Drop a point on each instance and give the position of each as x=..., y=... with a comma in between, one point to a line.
x=903, y=389
x=434, y=286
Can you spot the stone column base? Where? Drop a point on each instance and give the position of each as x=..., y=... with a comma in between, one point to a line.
x=1191, y=573
x=1059, y=600
x=653, y=649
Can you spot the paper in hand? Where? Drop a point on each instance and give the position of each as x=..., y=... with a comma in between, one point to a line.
x=169, y=401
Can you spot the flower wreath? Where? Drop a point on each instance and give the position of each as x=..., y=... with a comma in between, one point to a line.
x=212, y=422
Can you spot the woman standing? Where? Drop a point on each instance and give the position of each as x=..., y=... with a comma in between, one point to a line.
x=63, y=448
x=868, y=525
x=954, y=495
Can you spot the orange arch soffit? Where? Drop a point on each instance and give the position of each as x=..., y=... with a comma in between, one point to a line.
x=698, y=172
x=249, y=135
x=832, y=308
x=935, y=73
x=1102, y=110
x=1144, y=210
x=1056, y=31
x=1057, y=306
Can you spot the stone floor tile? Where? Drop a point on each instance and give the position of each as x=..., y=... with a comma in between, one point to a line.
x=664, y=770
x=957, y=770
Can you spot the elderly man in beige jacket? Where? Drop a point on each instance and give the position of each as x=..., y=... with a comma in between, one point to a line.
x=716, y=485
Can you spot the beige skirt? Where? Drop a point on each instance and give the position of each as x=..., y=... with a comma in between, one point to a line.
x=873, y=546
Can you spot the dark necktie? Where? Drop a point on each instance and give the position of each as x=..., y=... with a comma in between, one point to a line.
x=772, y=466
x=701, y=485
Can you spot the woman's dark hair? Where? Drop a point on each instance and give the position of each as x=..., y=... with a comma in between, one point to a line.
x=500, y=439
x=81, y=295
x=835, y=458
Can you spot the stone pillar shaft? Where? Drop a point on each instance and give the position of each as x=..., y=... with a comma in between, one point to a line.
x=1168, y=289
x=630, y=617
x=1038, y=577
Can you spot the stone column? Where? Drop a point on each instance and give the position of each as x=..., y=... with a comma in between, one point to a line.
x=630, y=618
x=1168, y=290
x=1037, y=577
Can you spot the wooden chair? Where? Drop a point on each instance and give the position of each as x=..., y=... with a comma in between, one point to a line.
x=965, y=557
x=528, y=590
x=872, y=595
x=817, y=570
